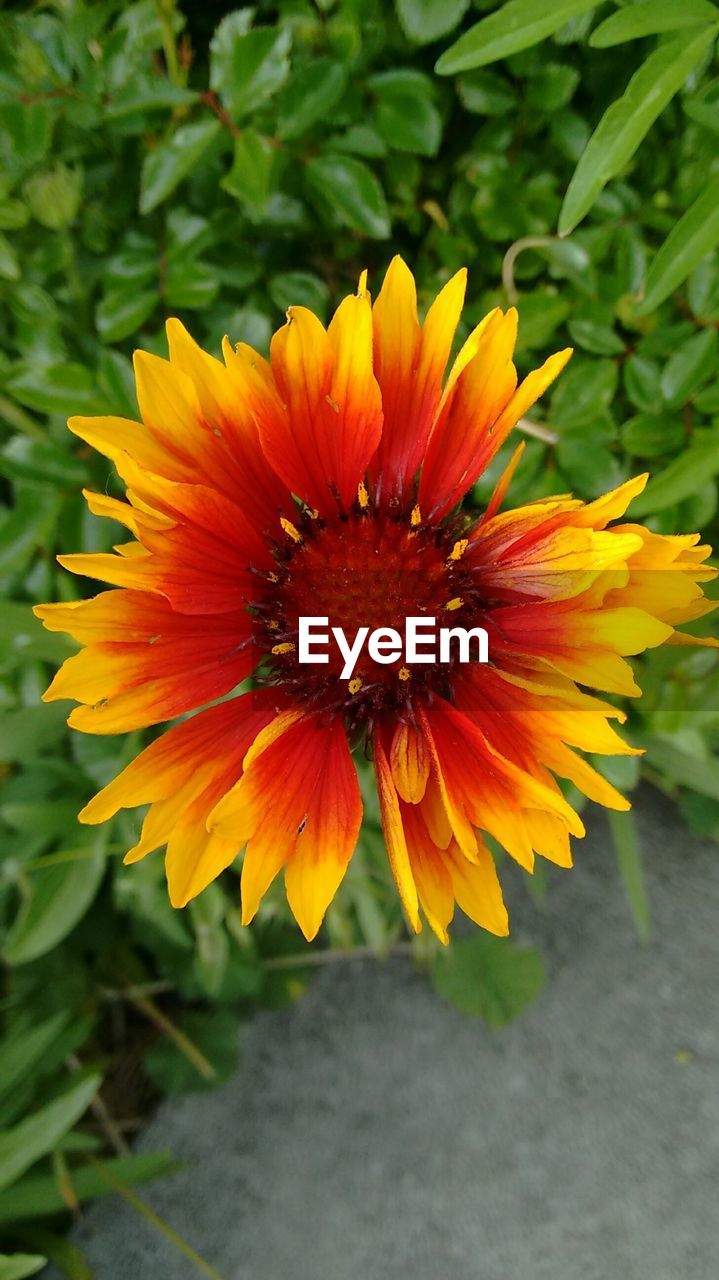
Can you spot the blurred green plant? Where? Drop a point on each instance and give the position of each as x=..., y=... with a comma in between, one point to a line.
x=220, y=165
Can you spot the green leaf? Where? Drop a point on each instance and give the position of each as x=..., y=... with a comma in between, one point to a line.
x=648, y=435
x=551, y=88
x=39, y=1195
x=207, y=913
x=247, y=67
x=624, y=772
x=352, y=192
x=691, y=238
x=703, y=106
x=215, y=1033
x=593, y=335
x=251, y=326
x=57, y=388
x=703, y=289
x=584, y=456
x=628, y=120
x=486, y=93
x=689, y=367
x=16, y=1266
x=405, y=115
x=490, y=978
x=170, y=162
x=147, y=93
x=707, y=401
x=64, y=1254
x=250, y=178
x=124, y=311
x=299, y=288
x=648, y=18
x=9, y=264
x=685, y=476
x=686, y=770
x=134, y=264
x=362, y=140
x=33, y=1138
x=29, y=731
x=629, y=861
x=53, y=195
x=13, y=215
x=517, y=25
x=584, y=391
x=41, y=462
x=23, y=635
x=28, y=126
x=642, y=384
x=23, y=1050
x=701, y=814
x=425, y=20
x=540, y=315
x=60, y=897
x=697, y=511
x=25, y=528
x=309, y=96
x=191, y=285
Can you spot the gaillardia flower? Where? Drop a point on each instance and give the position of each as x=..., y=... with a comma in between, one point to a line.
x=326, y=483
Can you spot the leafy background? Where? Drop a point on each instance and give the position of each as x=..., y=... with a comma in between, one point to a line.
x=218, y=165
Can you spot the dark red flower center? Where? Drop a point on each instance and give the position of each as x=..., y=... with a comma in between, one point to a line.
x=368, y=569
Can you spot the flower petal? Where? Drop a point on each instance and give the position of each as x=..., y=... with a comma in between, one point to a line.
x=333, y=404
x=410, y=762
x=394, y=834
x=410, y=362
x=463, y=437
x=299, y=780
x=181, y=775
x=328, y=837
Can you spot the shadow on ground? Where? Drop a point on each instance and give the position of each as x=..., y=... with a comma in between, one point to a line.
x=373, y=1133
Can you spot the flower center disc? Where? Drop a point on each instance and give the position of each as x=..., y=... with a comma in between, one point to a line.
x=366, y=571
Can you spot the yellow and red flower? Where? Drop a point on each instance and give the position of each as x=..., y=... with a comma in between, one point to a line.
x=327, y=481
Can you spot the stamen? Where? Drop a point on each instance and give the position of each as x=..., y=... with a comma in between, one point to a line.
x=355, y=684
x=273, y=624
x=290, y=530
x=404, y=673
x=455, y=603
x=458, y=549
x=416, y=516
x=279, y=649
x=362, y=495
x=273, y=577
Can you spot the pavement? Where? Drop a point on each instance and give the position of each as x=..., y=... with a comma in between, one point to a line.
x=374, y=1133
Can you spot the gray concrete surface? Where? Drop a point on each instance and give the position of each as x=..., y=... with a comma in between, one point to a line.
x=372, y=1133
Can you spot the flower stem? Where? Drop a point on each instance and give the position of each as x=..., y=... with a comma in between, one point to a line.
x=156, y=1221
x=166, y=13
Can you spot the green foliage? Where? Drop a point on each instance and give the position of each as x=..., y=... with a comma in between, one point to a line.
x=41, y=1196
x=515, y=26
x=648, y=18
x=152, y=166
x=685, y=248
x=626, y=122
x=19, y=1265
x=629, y=860
x=489, y=978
